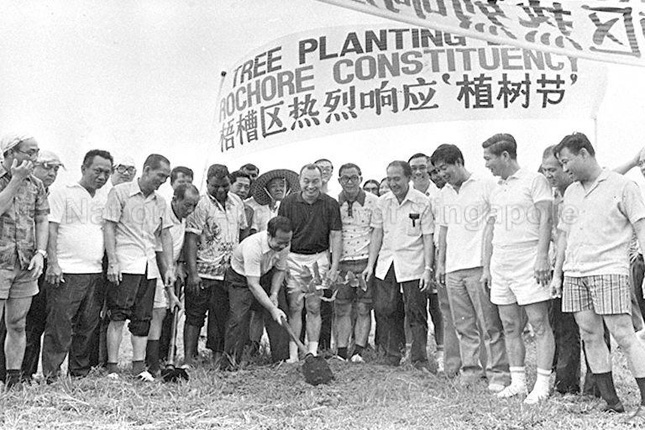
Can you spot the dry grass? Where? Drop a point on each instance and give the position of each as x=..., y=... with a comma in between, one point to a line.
x=262, y=396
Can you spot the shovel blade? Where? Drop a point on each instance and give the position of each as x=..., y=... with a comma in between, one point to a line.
x=173, y=374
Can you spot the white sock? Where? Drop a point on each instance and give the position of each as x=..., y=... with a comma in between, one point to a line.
x=293, y=351
x=543, y=380
x=313, y=348
x=518, y=376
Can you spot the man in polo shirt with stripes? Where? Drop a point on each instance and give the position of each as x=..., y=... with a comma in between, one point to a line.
x=402, y=243
x=516, y=263
x=602, y=210
x=315, y=218
x=465, y=205
x=74, y=272
x=134, y=213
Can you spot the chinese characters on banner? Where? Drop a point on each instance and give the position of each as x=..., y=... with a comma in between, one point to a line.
x=604, y=30
x=344, y=79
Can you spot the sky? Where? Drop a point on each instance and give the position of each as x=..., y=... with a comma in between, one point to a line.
x=137, y=77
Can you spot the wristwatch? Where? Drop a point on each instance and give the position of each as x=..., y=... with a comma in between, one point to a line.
x=42, y=252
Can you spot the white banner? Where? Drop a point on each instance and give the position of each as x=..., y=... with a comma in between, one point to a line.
x=611, y=31
x=335, y=80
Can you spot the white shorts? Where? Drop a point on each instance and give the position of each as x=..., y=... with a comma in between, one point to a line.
x=512, y=271
x=296, y=264
x=161, y=301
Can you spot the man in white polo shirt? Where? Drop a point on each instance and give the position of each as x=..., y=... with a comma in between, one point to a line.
x=516, y=263
x=402, y=243
x=465, y=205
x=74, y=272
x=255, y=278
x=601, y=212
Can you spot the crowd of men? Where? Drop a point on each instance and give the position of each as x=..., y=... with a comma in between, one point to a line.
x=481, y=256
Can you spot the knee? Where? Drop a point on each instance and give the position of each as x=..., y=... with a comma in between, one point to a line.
x=511, y=327
x=296, y=305
x=342, y=309
x=17, y=325
x=363, y=309
x=313, y=306
x=541, y=326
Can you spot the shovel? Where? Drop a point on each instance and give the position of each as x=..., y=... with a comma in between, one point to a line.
x=171, y=373
x=316, y=370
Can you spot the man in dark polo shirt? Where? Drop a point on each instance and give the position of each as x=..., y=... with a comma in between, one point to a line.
x=315, y=218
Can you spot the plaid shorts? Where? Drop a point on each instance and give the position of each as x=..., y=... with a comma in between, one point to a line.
x=604, y=294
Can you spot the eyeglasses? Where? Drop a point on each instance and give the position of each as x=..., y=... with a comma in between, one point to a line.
x=346, y=179
x=122, y=169
x=49, y=166
x=31, y=153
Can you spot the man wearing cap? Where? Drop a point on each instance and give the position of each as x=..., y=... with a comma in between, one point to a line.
x=315, y=218
x=356, y=209
x=213, y=230
x=23, y=242
x=45, y=169
x=255, y=280
x=134, y=214
x=75, y=290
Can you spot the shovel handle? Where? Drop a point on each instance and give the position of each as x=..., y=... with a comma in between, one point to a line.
x=292, y=335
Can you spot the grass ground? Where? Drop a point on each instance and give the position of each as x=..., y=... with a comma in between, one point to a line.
x=264, y=396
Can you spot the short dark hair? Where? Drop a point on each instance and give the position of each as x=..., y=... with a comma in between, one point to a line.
x=574, y=143
x=181, y=190
x=501, y=142
x=154, y=161
x=250, y=166
x=279, y=223
x=418, y=155
x=449, y=154
x=238, y=174
x=89, y=157
x=180, y=169
x=407, y=170
x=549, y=152
x=310, y=166
x=321, y=160
x=349, y=166
x=217, y=170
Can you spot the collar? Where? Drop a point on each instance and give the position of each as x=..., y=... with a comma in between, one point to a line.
x=408, y=196
x=520, y=172
x=264, y=243
x=604, y=174
x=360, y=198
x=300, y=199
x=135, y=189
x=173, y=217
x=229, y=200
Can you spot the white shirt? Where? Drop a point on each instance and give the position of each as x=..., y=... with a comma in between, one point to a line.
x=79, y=246
x=465, y=213
x=404, y=226
x=357, y=225
x=517, y=220
x=177, y=234
x=261, y=214
x=254, y=257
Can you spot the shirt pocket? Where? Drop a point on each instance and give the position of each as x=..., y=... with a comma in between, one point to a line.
x=413, y=224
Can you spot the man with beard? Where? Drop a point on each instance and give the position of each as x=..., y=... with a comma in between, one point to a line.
x=74, y=272
x=134, y=213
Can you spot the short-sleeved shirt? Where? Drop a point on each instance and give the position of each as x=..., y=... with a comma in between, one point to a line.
x=311, y=223
x=218, y=228
x=261, y=214
x=254, y=256
x=465, y=213
x=404, y=225
x=18, y=223
x=434, y=194
x=513, y=200
x=138, y=220
x=598, y=222
x=356, y=217
x=79, y=215
x=177, y=234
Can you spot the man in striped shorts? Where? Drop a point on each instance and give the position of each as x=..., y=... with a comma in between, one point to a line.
x=601, y=210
